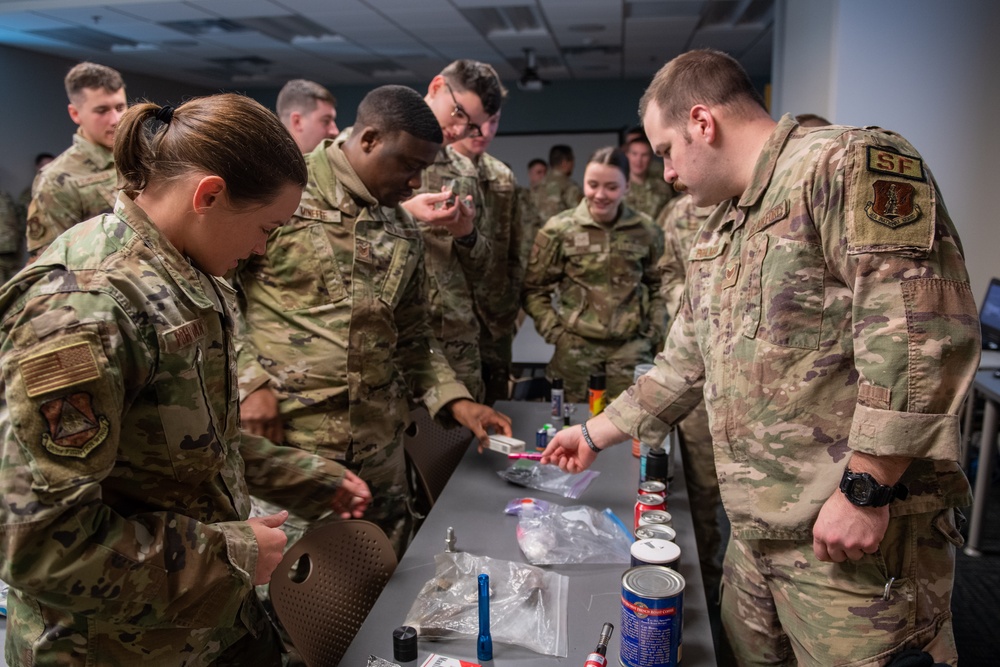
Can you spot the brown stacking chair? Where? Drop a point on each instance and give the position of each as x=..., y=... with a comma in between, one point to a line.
x=327, y=583
x=434, y=451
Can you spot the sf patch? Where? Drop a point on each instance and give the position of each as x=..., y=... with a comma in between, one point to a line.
x=73, y=429
x=891, y=203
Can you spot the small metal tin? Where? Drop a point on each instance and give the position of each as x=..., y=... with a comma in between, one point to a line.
x=645, y=502
x=655, y=552
x=652, y=616
x=660, y=516
x=659, y=531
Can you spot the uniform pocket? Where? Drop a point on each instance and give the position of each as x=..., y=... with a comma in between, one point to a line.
x=190, y=426
x=301, y=265
x=784, y=292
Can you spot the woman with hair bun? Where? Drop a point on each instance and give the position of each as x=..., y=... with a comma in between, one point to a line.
x=125, y=536
x=592, y=285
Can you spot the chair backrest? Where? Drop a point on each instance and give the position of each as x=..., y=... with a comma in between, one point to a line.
x=327, y=583
x=434, y=450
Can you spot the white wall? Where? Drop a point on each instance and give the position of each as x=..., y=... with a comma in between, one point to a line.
x=923, y=68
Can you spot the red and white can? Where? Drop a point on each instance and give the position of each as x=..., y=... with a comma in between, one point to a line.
x=648, y=501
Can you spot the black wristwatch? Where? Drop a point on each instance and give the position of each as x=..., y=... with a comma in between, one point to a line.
x=863, y=490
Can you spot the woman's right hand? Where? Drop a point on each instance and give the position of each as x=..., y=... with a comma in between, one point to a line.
x=270, y=544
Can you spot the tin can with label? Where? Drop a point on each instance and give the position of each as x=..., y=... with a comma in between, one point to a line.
x=645, y=502
x=653, y=487
x=541, y=438
x=655, y=552
x=659, y=531
x=652, y=614
x=659, y=516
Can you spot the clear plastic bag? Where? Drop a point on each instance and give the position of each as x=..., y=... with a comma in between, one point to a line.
x=549, y=478
x=578, y=534
x=527, y=604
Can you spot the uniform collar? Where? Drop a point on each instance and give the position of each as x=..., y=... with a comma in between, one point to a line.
x=763, y=171
x=329, y=166
x=187, y=278
x=627, y=218
x=97, y=154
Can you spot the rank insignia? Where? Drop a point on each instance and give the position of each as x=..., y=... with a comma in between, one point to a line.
x=731, y=274
x=894, y=204
x=364, y=251
x=73, y=427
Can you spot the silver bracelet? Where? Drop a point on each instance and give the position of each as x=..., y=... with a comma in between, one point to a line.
x=588, y=440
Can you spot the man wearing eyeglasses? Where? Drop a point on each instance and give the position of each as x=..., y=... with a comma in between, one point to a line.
x=464, y=97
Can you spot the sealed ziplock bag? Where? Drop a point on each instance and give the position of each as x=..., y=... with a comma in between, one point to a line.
x=556, y=535
x=548, y=477
x=527, y=604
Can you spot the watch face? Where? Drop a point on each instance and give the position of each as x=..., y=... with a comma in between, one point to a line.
x=860, y=491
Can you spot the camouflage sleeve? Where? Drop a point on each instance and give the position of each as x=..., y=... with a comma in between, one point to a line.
x=572, y=195
x=652, y=277
x=67, y=391
x=290, y=477
x=886, y=235
x=545, y=270
x=474, y=258
x=665, y=395
x=251, y=374
x=672, y=265
x=419, y=357
x=53, y=210
x=531, y=222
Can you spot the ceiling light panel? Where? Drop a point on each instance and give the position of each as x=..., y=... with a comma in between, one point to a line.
x=238, y=9
x=163, y=11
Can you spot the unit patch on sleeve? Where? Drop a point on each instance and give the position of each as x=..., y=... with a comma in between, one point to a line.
x=890, y=202
x=73, y=427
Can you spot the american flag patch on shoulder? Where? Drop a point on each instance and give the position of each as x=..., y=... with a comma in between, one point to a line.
x=58, y=369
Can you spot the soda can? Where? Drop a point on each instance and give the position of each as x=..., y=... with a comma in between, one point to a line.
x=655, y=552
x=541, y=438
x=650, y=486
x=645, y=502
x=655, y=516
x=658, y=531
x=652, y=615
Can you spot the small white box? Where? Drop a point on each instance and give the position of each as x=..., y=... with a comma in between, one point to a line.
x=505, y=445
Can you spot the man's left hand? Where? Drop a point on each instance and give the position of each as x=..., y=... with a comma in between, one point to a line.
x=352, y=497
x=844, y=530
x=478, y=418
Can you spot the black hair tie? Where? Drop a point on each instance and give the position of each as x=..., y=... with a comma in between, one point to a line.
x=165, y=114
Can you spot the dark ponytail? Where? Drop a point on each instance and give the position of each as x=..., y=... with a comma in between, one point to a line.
x=227, y=135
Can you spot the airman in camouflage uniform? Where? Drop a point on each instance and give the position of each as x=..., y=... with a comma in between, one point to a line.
x=608, y=305
x=680, y=221
x=337, y=317
x=449, y=292
x=125, y=503
x=828, y=323
x=11, y=238
x=498, y=290
x=77, y=185
x=556, y=193
x=648, y=196
x=81, y=182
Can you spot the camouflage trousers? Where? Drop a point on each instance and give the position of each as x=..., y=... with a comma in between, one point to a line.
x=576, y=358
x=782, y=606
x=496, y=356
x=703, y=494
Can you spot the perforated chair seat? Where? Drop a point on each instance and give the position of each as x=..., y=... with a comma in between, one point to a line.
x=327, y=583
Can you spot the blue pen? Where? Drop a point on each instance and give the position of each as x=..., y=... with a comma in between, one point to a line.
x=484, y=647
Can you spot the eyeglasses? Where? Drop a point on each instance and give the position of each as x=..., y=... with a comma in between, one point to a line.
x=460, y=114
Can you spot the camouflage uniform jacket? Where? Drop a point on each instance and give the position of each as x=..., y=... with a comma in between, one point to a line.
x=11, y=238
x=680, y=221
x=554, y=194
x=605, y=278
x=124, y=495
x=531, y=222
x=648, y=197
x=338, y=321
x=827, y=311
x=449, y=292
x=79, y=184
x=497, y=290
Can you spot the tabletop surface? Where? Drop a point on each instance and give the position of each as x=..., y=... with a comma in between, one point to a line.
x=989, y=384
x=473, y=504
